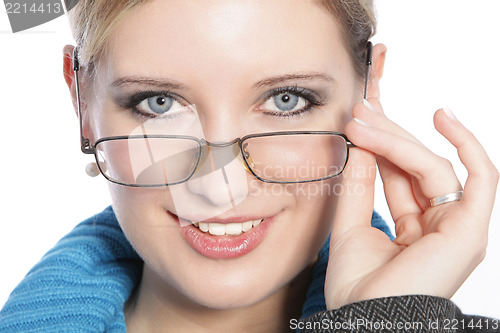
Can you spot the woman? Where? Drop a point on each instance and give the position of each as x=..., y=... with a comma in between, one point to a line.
x=298, y=69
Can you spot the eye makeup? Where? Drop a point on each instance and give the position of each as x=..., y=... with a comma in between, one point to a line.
x=310, y=98
x=131, y=101
x=130, y=93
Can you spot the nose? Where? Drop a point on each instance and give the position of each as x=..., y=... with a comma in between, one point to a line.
x=220, y=176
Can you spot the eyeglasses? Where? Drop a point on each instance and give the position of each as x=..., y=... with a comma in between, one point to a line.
x=278, y=157
x=164, y=160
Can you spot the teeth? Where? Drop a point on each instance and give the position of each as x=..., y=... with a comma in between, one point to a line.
x=234, y=228
x=203, y=226
x=217, y=229
x=230, y=229
x=246, y=226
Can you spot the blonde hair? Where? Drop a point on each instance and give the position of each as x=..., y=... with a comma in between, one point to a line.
x=92, y=22
x=358, y=24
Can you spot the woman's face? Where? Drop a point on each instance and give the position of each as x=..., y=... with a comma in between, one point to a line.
x=222, y=70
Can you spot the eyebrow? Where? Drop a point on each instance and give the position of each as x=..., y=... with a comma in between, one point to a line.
x=172, y=84
x=160, y=83
x=290, y=77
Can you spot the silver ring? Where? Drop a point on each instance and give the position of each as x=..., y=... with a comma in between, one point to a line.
x=442, y=199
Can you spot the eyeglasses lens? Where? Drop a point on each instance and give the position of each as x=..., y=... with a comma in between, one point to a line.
x=160, y=161
x=148, y=161
x=296, y=158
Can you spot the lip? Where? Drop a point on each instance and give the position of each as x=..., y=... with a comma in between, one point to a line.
x=226, y=247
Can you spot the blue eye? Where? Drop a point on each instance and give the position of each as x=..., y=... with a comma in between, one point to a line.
x=158, y=104
x=286, y=101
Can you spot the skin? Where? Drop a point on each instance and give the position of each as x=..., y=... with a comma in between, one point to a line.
x=263, y=289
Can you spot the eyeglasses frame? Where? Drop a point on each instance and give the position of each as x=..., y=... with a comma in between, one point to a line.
x=238, y=141
x=87, y=148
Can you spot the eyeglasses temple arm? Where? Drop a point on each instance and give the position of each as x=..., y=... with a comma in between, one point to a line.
x=369, y=51
x=84, y=142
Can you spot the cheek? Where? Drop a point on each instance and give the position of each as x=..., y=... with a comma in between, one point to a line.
x=154, y=234
x=140, y=211
x=307, y=224
x=315, y=207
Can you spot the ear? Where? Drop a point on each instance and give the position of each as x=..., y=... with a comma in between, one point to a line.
x=376, y=71
x=69, y=74
x=69, y=77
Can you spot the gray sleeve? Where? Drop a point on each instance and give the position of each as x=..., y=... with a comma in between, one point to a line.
x=411, y=313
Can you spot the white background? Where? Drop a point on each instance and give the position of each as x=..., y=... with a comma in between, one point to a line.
x=441, y=52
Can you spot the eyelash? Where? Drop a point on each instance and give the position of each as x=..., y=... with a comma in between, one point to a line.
x=133, y=101
x=313, y=101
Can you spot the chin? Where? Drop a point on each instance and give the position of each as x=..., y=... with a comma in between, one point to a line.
x=229, y=300
x=228, y=293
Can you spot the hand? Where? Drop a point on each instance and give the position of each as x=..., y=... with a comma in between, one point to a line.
x=436, y=248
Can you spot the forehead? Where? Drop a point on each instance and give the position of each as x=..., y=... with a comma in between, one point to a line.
x=211, y=37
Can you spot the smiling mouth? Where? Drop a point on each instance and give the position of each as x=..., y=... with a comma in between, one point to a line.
x=227, y=229
x=225, y=238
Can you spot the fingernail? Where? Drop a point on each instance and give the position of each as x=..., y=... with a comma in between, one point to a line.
x=368, y=105
x=449, y=113
x=359, y=121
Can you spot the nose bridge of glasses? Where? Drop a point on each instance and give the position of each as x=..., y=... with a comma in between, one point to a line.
x=221, y=144
x=217, y=155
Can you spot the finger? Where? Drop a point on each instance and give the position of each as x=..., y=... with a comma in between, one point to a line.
x=397, y=183
x=399, y=190
x=402, y=203
x=408, y=230
x=435, y=174
x=355, y=205
x=371, y=112
x=480, y=188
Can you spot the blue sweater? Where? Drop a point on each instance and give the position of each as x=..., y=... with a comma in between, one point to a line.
x=82, y=284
